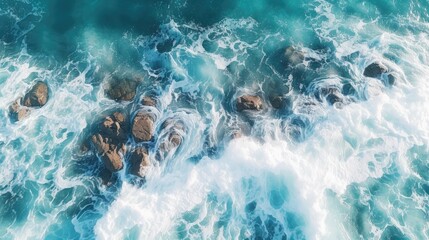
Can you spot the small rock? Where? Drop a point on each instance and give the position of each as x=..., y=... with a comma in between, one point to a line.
x=139, y=162
x=37, y=96
x=121, y=89
x=248, y=102
x=148, y=101
x=374, y=70
x=18, y=112
x=143, y=127
x=278, y=102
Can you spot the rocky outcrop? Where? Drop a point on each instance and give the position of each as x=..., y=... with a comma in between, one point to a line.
x=139, y=162
x=109, y=153
x=18, y=112
x=37, y=96
x=249, y=102
x=148, y=101
x=143, y=127
x=121, y=89
x=109, y=141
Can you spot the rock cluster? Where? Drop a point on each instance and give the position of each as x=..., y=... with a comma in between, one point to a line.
x=35, y=97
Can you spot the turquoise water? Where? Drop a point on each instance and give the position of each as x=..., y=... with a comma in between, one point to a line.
x=355, y=169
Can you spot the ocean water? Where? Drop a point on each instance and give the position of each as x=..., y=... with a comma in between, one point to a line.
x=355, y=169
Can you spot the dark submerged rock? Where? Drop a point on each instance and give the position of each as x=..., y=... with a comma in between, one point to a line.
x=248, y=102
x=139, y=162
x=143, y=127
x=293, y=56
x=279, y=102
x=121, y=89
x=348, y=89
x=374, y=70
x=331, y=94
x=391, y=79
x=37, y=96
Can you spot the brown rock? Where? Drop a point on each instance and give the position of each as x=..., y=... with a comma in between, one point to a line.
x=109, y=153
x=18, y=112
x=248, y=102
x=148, y=101
x=143, y=127
x=37, y=96
x=121, y=89
x=109, y=140
x=139, y=162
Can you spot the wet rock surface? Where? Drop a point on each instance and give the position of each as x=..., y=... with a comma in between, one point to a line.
x=279, y=102
x=139, y=162
x=148, y=101
x=174, y=130
x=249, y=102
x=109, y=140
x=37, y=96
x=143, y=127
x=121, y=89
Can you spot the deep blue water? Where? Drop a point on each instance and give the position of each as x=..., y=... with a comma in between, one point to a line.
x=349, y=165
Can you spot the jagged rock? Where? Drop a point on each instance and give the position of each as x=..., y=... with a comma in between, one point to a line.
x=18, y=112
x=37, y=96
x=293, y=56
x=143, y=127
x=109, y=140
x=174, y=139
x=139, y=162
x=108, y=152
x=248, y=102
x=121, y=89
x=278, y=102
x=374, y=70
x=148, y=101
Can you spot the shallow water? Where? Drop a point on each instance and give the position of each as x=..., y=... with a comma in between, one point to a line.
x=355, y=169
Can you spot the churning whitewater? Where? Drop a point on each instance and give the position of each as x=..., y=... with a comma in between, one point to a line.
x=186, y=119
